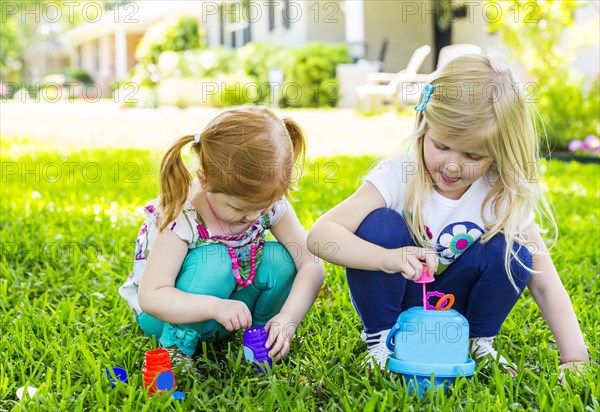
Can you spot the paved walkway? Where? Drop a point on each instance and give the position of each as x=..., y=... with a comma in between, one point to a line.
x=104, y=124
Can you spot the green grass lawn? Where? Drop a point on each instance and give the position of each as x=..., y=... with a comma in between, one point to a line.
x=68, y=226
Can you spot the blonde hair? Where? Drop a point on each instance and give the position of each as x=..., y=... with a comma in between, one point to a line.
x=476, y=97
x=247, y=152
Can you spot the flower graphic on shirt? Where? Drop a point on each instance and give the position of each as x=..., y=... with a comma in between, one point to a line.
x=455, y=239
x=151, y=209
x=143, y=229
x=428, y=231
x=139, y=254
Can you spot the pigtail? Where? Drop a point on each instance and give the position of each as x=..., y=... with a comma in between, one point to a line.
x=298, y=139
x=175, y=180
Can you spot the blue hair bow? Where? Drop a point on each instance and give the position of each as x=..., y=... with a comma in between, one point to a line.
x=427, y=92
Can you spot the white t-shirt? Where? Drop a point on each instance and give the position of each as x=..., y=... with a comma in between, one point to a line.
x=453, y=225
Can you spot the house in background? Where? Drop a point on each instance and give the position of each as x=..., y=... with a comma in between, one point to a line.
x=106, y=48
x=377, y=30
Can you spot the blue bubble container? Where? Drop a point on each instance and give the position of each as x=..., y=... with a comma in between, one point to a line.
x=430, y=348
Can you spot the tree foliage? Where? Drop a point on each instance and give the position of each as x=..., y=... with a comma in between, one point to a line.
x=534, y=31
x=24, y=23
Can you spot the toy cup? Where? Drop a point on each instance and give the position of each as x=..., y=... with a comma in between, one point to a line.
x=157, y=370
x=254, y=348
x=430, y=348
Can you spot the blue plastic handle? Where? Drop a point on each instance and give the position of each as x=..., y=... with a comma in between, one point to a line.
x=390, y=341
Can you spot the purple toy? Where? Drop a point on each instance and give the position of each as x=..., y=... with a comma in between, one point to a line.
x=255, y=350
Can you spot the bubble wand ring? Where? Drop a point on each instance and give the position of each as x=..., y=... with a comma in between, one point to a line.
x=430, y=294
x=445, y=302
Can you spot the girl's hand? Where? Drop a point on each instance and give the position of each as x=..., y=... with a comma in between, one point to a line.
x=574, y=367
x=408, y=261
x=233, y=314
x=281, y=330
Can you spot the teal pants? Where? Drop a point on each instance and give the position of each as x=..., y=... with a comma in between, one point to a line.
x=207, y=271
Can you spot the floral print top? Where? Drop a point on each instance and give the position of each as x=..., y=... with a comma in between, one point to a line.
x=453, y=224
x=190, y=227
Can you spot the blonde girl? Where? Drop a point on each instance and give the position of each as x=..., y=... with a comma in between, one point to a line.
x=464, y=204
x=202, y=266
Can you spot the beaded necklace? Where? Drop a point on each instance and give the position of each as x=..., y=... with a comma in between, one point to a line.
x=235, y=263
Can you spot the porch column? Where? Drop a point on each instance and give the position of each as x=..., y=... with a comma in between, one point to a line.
x=354, y=11
x=120, y=53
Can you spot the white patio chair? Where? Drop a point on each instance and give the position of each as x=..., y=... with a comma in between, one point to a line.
x=386, y=87
x=451, y=52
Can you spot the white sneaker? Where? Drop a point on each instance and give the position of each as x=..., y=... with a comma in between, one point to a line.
x=376, y=347
x=481, y=347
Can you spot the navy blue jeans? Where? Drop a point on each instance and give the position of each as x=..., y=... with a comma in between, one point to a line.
x=477, y=279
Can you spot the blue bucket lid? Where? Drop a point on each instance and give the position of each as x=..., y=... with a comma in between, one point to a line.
x=441, y=370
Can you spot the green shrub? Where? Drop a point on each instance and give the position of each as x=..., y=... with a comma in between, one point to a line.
x=233, y=90
x=311, y=71
x=171, y=34
x=242, y=76
x=69, y=76
x=256, y=59
x=79, y=75
x=145, y=75
x=222, y=91
x=214, y=61
x=197, y=63
x=568, y=109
